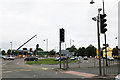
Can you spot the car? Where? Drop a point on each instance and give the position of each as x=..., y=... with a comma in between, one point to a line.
x=76, y=58
x=72, y=58
x=8, y=57
x=85, y=58
x=58, y=58
x=31, y=58
x=5, y=57
x=117, y=77
x=11, y=58
x=110, y=58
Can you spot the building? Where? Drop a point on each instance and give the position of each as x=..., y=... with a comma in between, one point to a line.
x=109, y=52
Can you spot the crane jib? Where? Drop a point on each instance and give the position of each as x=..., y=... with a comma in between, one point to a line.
x=24, y=44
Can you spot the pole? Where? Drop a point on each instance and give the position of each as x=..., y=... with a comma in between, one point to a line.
x=70, y=42
x=60, y=53
x=105, y=37
x=106, y=50
x=100, y=72
x=65, y=46
x=0, y=51
x=103, y=8
x=46, y=44
x=11, y=47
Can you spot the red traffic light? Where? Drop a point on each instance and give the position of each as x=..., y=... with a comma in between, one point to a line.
x=103, y=16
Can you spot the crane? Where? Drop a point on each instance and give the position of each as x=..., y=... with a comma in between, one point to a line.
x=24, y=43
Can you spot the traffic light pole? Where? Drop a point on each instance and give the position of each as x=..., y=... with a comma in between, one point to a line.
x=100, y=71
x=105, y=50
x=60, y=53
x=61, y=40
x=105, y=37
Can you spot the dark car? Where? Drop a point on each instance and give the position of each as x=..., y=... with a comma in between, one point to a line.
x=31, y=58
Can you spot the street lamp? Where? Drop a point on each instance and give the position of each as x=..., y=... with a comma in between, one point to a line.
x=71, y=41
x=92, y=2
x=11, y=46
x=98, y=33
x=46, y=44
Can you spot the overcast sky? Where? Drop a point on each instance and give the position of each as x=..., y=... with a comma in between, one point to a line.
x=22, y=19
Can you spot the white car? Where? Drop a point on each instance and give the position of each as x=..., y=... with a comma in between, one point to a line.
x=57, y=58
x=5, y=57
x=85, y=58
x=117, y=77
x=11, y=58
x=8, y=57
x=110, y=58
x=72, y=58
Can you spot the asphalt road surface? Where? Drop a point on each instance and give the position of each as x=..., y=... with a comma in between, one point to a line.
x=18, y=69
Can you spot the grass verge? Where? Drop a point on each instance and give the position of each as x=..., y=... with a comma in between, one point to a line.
x=47, y=61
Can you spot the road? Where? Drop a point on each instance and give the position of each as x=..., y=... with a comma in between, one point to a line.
x=18, y=69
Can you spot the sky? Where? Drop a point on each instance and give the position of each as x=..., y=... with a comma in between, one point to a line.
x=22, y=19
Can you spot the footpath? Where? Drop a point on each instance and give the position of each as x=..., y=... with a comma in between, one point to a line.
x=89, y=73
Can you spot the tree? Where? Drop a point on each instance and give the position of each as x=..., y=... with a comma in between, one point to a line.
x=91, y=50
x=72, y=49
x=8, y=51
x=3, y=52
x=40, y=49
x=115, y=51
x=81, y=51
x=52, y=52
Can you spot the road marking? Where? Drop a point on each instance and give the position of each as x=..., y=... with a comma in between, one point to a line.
x=6, y=71
x=87, y=75
x=27, y=70
x=16, y=70
x=44, y=68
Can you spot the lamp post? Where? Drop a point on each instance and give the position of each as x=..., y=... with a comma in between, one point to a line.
x=98, y=33
x=11, y=46
x=46, y=44
x=71, y=41
x=65, y=46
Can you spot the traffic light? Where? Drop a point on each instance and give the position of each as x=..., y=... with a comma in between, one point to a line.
x=102, y=23
x=37, y=46
x=62, y=35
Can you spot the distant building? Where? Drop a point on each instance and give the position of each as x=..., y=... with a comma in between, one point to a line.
x=109, y=52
